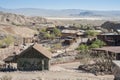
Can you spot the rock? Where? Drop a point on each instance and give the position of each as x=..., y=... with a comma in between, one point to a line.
x=111, y=25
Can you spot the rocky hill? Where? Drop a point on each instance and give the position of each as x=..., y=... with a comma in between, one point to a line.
x=14, y=19
x=111, y=25
x=18, y=25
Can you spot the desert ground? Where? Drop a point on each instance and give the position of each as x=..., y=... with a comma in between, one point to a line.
x=66, y=71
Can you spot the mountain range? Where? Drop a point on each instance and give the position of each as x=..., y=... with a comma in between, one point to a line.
x=62, y=12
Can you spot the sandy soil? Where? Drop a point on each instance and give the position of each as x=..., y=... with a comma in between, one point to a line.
x=65, y=71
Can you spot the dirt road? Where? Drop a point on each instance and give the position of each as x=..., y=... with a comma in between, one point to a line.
x=65, y=71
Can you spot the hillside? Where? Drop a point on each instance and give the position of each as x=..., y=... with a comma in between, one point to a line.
x=111, y=25
x=16, y=31
x=18, y=25
x=14, y=19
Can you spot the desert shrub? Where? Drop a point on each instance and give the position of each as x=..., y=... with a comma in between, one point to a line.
x=94, y=46
x=99, y=43
x=43, y=30
x=47, y=35
x=1, y=43
x=6, y=41
x=52, y=36
x=57, y=32
x=82, y=47
x=91, y=33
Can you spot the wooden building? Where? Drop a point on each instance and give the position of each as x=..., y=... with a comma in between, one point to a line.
x=112, y=51
x=69, y=40
x=73, y=33
x=110, y=39
x=34, y=57
x=30, y=39
x=27, y=40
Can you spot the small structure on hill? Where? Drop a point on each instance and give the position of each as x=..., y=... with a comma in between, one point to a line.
x=110, y=39
x=35, y=57
x=69, y=40
x=73, y=33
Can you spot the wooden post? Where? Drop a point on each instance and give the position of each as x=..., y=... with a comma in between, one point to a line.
x=23, y=41
x=42, y=64
x=48, y=65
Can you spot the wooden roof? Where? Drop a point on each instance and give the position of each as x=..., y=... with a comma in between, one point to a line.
x=42, y=50
x=113, y=49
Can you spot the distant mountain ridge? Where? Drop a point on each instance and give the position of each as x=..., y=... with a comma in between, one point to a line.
x=62, y=12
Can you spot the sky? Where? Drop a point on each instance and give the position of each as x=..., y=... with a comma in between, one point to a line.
x=62, y=4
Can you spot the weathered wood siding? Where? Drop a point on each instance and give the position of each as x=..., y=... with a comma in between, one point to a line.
x=32, y=60
x=32, y=64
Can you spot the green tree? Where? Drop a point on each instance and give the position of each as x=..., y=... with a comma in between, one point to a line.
x=99, y=43
x=43, y=30
x=91, y=33
x=47, y=35
x=52, y=36
x=6, y=41
x=94, y=46
x=82, y=47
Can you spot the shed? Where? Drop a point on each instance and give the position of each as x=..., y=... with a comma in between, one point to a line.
x=35, y=57
x=74, y=33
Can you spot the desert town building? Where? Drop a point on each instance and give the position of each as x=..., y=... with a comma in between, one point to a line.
x=110, y=39
x=35, y=57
